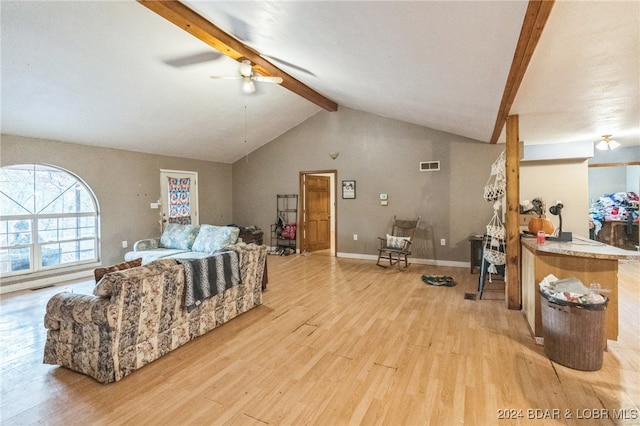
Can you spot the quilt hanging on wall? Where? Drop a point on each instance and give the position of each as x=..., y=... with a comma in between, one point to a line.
x=179, y=206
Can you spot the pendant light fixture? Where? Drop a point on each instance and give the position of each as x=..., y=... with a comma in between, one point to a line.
x=607, y=143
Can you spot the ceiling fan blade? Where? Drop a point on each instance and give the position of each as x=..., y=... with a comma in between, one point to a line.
x=267, y=79
x=194, y=59
x=289, y=64
x=221, y=77
x=240, y=29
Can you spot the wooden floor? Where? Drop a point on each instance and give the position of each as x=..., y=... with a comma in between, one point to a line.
x=337, y=341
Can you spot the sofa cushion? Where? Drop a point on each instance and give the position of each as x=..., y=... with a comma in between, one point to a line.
x=100, y=272
x=180, y=237
x=213, y=238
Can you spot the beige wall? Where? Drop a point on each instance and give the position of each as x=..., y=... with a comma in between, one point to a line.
x=566, y=181
x=125, y=184
x=382, y=155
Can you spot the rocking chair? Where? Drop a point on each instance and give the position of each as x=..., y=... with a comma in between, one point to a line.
x=397, y=246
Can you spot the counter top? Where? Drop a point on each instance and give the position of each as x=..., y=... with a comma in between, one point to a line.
x=579, y=247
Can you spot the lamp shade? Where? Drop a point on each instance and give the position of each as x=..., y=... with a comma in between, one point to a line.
x=607, y=143
x=248, y=86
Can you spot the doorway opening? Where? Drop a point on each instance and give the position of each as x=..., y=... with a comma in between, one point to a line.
x=318, y=218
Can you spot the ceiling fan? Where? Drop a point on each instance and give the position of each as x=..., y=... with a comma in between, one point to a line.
x=248, y=77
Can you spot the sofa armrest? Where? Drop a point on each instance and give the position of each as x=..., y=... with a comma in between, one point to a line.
x=79, y=309
x=146, y=244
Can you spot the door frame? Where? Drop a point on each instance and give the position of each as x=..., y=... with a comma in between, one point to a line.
x=303, y=202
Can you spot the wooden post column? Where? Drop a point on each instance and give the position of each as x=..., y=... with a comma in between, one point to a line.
x=513, y=289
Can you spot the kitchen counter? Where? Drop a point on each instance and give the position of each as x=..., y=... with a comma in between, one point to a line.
x=587, y=260
x=579, y=247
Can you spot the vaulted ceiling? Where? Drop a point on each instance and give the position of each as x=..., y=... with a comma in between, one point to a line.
x=116, y=74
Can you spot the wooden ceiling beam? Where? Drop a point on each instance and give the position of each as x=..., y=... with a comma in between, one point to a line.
x=538, y=12
x=185, y=18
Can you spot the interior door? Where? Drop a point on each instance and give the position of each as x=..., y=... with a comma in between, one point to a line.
x=317, y=212
x=179, y=192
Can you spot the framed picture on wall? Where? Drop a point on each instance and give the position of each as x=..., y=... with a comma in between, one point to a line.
x=348, y=189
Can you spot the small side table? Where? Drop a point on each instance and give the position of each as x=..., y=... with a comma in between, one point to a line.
x=476, y=252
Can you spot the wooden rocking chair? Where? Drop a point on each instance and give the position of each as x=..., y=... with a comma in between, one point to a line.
x=397, y=246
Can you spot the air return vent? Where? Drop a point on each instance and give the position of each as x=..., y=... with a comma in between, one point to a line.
x=429, y=166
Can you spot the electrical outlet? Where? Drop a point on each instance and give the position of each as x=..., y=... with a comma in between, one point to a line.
x=355, y=237
x=443, y=242
x=125, y=244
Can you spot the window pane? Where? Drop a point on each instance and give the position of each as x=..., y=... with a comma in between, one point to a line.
x=87, y=250
x=87, y=221
x=15, y=259
x=46, y=224
x=64, y=194
x=51, y=184
x=15, y=232
x=68, y=234
x=68, y=222
x=47, y=236
x=70, y=252
x=89, y=232
x=50, y=254
x=16, y=189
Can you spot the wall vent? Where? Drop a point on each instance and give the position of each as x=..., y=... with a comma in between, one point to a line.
x=429, y=166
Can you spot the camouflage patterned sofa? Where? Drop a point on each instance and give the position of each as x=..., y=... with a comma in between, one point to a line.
x=137, y=315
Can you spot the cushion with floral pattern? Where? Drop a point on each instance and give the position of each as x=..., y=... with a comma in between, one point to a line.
x=177, y=236
x=213, y=238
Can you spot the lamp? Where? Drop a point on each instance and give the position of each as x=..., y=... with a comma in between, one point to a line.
x=247, y=85
x=334, y=155
x=557, y=211
x=607, y=143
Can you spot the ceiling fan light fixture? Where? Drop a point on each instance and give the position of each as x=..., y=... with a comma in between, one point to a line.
x=248, y=86
x=607, y=143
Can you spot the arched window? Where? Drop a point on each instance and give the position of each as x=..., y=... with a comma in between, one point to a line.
x=48, y=219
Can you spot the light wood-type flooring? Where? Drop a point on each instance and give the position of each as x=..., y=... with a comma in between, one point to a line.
x=336, y=342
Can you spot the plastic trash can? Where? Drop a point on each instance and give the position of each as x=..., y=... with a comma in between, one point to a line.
x=574, y=334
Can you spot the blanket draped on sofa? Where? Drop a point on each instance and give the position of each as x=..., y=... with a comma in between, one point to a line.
x=204, y=278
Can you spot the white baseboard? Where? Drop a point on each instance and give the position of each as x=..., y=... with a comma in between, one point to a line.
x=26, y=285
x=432, y=262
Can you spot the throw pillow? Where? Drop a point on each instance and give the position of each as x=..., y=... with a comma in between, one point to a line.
x=234, y=233
x=396, y=242
x=213, y=238
x=179, y=237
x=101, y=272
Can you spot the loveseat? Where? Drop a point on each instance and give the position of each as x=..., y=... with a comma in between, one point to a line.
x=137, y=315
x=184, y=242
